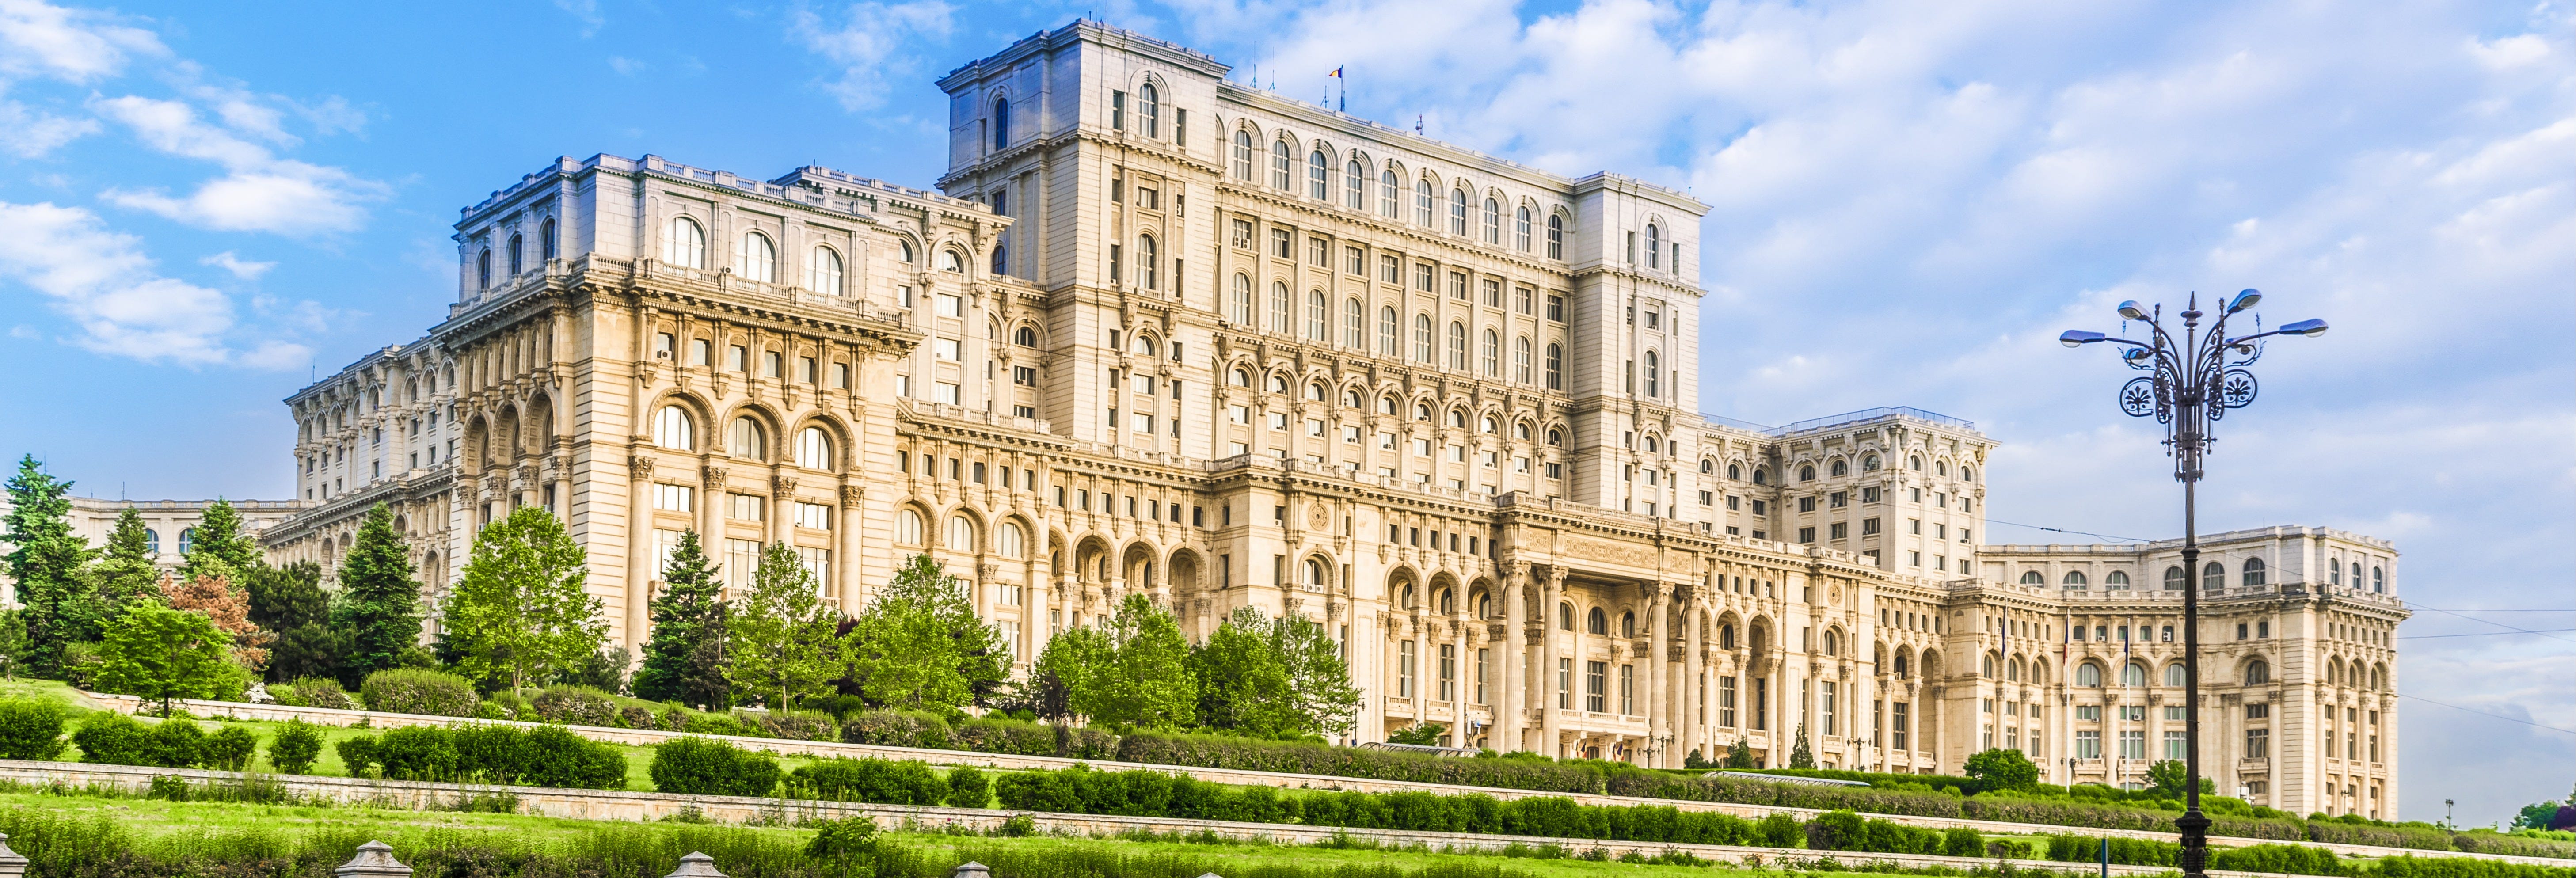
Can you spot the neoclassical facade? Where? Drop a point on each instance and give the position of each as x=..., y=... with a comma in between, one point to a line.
x=1163, y=333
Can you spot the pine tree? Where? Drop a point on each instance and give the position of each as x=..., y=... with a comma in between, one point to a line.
x=520, y=611
x=920, y=646
x=1799, y=755
x=13, y=642
x=217, y=546
x=48, y=562
x=288, y=602
x=127, y=570
x=1741, y=755
x=377, y=619
x=779, y=635
x=684, y=661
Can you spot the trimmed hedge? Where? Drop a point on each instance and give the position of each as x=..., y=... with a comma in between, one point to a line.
x=577, y=705
x=419, y=691
x=896, y=728
x=313, y=692
x=879, y=781
x=31, y=729
x=545, y=756
x=1847, y=831
x=799, y=725
x=2010, y=809
x=1248, y=754
x=710, y=767
x=297, y=745
x=110, y=738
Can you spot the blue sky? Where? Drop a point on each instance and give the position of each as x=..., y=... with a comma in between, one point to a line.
x=202, y=202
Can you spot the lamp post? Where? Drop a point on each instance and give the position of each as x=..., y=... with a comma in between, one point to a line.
x=2192, y=381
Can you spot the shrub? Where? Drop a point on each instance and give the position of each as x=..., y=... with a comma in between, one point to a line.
x=1961, y=841
x=1777, y=831
x=638, y=718
x=558, y=758
x=2287, y=859
x=1014, y=737
x=1837, y=831
x=2073, y=848
x=358, y=755
x=708, y=767
x=1217, y=751
x=295, y=748
x=713, y=724
x=968, y=788
x=111, y=738
x=880, y=781
x=417, y=753
x=30, y=729
x=575, y=705
x=175, y=743
x=318, y=692
x=230, y=748
x=419, y=691
x=799, y=725
x=896, y=728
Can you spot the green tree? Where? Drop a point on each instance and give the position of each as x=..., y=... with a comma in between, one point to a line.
x=1063, y=667
x=48, y=562
x=2537, y=814
x=2000, y=769
x=13, y=642
x=377, y=618
x=1145, y=678
x=920, y=645
x=684, y=661
x=1740, y=755
x=1273, y=677
x=218, y=547
x=127, y=570
x=2168, y=776
x=520, y=611
x=1422, y=734
x=289, y=603
x=779, y=635
x=1799, y=755
x=162, y=654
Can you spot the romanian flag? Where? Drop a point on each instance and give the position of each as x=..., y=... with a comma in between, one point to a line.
x=1336, y=74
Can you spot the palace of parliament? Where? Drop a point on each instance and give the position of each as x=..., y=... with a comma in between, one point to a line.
x=1159, y=332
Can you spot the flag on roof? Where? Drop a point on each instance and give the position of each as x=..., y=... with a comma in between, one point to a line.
x=1336, y=74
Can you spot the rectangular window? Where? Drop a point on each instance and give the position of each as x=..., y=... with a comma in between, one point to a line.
x=2258, y=711
x=1448, y=672
x=1897, y=720
x=2258, y=743
x=746, y=507
x=2133, y=745
x=2088, y=744
x=1841, y=530
x=1556, y=308
x=1423, y=276
x=675, y=498
x=818, y=563
x=1493, y=290
x=1282, y=244
x=1628, y=690
x=813, y=516
x=1354, y=261
x=1118, y=110
x=741, y=558
x=1726, y=702
x=2176, y=745
x=952, y=305
x=1761, y=703
x=1484, y=659
x=951, y=393
x=1404, y=669
x=1316, y=253
x=1831, y=689
x=1565, y=684
x=1596, y=682
x=1242, y=234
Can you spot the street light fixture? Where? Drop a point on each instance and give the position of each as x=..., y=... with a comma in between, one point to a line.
x=2193, y=382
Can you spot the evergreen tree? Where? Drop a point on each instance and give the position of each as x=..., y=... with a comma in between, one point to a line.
x=47, y=560
x=920, y=646
x=1741, y=755
x=377, y=618
x=520, y=612
x=161, y=654
x=1145, y=679
x=217, y=546
x=1799, y=755
x=684, y=661
x=779, y=634
x=127, y=570
x=13, y=642
x=288, y=602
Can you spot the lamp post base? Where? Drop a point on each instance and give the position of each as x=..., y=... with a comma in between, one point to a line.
x=2195, y=843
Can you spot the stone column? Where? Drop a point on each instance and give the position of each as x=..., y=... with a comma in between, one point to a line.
x=846, y=565
x=782, y=508
x=1659, y=725
x=1549, y=720
x=640, y=562
x=1694, y=665
x=1462, y=692
x=1509, y=715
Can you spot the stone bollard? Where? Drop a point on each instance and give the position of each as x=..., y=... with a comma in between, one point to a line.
x=696, y=865
x=972, y=870
x=374, y=859
x=11, y=864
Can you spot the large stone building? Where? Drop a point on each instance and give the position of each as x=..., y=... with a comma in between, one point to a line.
x=169, y=526
x=1166, y=333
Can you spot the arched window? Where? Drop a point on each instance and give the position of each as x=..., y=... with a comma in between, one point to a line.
x=1555, y=438
x=1555, y=366
x=1655, y=385
x=1001, y=124
x=1840, y=467
x=1316, y=391
x=1457, y=345
x=823, y=273
x=1422, y=412
x=546, y=248
x=1521, y=359
x=1986, y=665
x=518, y=255
x=1761, y=476
x=2174, y=674
x=673, y=429
x=903, y=251
x=151, y=541
x=1319, y=317
x=1807, y=473
x=2213, y=576
x=961, y=534
x=1458, y=418
x=1488, y=425
x=685, y=244
x=1354, y=325
x=1319, y=176
x=1521, y=229
x=1628, y=624
x=1654, y=246
x=2118, y=580
x=1869, y=463
x=1150, y=103
x=952, y=261
x=747, y=439
x=1149, y=262
x=907, y=527
x=1596, y=622
x=1279, y=384
x=2253, y=572
x=1009, y=540
x=2378, y=581
x=1390, y=189
x=2175, y=579
x=1914, y=462
x=1707, y=467
x=1833, y=642
x=1565, y=617
x=2133, y=674
x=758, y=259
x=1458, y=212
x=1387, y=343
x=483, y=269
x=1142, y=343
x=1406, y=600
x=2074, y=579
x=1355, y=186
x=1242, y=378
x=814, y=448
x=187, y=540
x=1967, y=473
x=1422, y=203
x=1423, y=351
x=1491, y=352
x=2012, y=670
x=2257, y=673
x=1555, y=236
x=1282, y=316
x=1315, y=576
x=1241, y=310
x=1737, y=473
x=2088, y=674
x=1281, y=157
x=1493, y=221
x=2033, y=577
x=1243, y=155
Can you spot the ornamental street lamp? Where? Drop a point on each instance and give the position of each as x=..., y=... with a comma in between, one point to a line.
x=2192, y=381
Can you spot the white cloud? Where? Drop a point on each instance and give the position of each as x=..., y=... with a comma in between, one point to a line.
x=867, y=42
x=31, y=134
x=103, y=282
x=71, y=44
x=626, y=66
x=259, y=193
x=584, y=11
x=240, y=268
